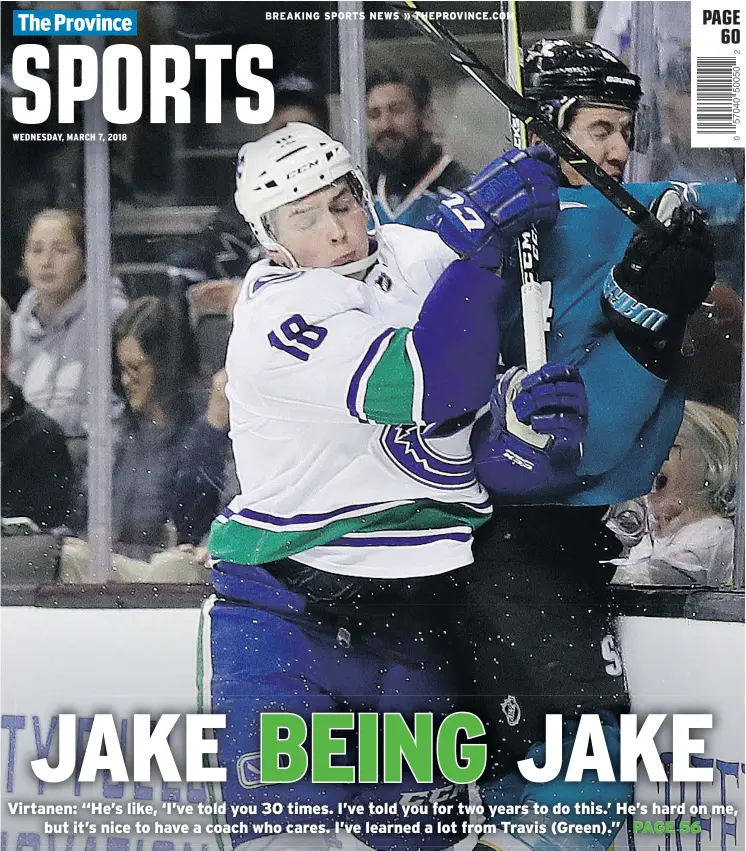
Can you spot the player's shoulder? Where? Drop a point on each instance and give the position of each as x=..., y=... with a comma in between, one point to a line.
x=405, y=239
x=408, y=248
x=270, y=290
x=721, y=203
x=589, y=198
x=263, y=277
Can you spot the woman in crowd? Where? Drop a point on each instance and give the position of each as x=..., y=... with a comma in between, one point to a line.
x=49, y=339
x=168, y=460
x=686, y=535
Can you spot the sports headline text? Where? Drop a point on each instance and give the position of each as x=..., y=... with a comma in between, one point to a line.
x=122, y=68
x=289, y=750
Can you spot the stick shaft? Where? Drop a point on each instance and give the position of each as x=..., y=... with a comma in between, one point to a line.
x=532, y=302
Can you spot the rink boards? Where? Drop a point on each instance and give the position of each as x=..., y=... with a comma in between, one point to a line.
x=124, y=661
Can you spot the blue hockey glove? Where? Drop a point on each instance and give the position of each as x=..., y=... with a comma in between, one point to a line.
x=514, y=191
x=531, y=443
x=553, y=402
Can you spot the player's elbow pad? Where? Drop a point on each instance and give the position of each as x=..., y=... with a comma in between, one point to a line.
x=457, y=341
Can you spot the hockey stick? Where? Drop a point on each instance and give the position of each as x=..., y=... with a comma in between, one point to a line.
x=532, y=302
x=527, y=111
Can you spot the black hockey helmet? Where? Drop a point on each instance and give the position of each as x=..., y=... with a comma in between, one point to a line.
x=563, y=74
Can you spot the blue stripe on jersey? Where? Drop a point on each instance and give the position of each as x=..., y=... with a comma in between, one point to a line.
x=321, y=519
x=271, y=278
x=305, y=520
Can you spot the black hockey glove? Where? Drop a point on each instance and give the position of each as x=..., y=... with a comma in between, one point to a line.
x=660, y=282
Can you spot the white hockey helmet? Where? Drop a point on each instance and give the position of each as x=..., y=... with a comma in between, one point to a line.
x=287, y=165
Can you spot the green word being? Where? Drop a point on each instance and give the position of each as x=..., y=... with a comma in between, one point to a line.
x=384, y=743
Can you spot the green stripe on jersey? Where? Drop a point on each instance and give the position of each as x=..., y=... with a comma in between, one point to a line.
x=244, y=544
x=390, y=389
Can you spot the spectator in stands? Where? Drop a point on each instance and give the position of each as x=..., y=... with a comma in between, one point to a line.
x=168, y=461
x=408, y=171
x=297, y=98
x=37, y=176
x=36, y=468
x=712, y=347
x=49, y=340
x=688, y=535
x=202, y=477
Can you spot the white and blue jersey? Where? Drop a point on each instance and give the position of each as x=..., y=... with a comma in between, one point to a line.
x=330, y=397
x=327, y=397
x=634, y=416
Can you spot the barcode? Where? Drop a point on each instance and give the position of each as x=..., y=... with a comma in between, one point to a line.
x=715, y=94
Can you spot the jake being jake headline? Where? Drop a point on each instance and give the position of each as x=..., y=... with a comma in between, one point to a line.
x=289, y=750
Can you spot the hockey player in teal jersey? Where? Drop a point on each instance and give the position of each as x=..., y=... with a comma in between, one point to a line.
x=533, y=611
x=618, y=463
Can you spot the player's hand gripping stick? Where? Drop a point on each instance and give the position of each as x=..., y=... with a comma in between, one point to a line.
x=662, y=279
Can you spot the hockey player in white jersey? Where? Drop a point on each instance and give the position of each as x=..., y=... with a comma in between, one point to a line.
x=358, y=360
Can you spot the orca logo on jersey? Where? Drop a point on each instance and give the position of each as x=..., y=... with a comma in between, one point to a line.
x=418, y=457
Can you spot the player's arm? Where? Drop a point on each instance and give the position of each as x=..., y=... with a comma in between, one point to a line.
x=447, y=361
x=612, y=376
x=646, y=299
x=479, y=224
x=331, y=360
x=529, y=444
x=661, y=280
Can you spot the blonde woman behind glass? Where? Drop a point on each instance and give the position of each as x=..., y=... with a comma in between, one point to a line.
x=690, y=533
